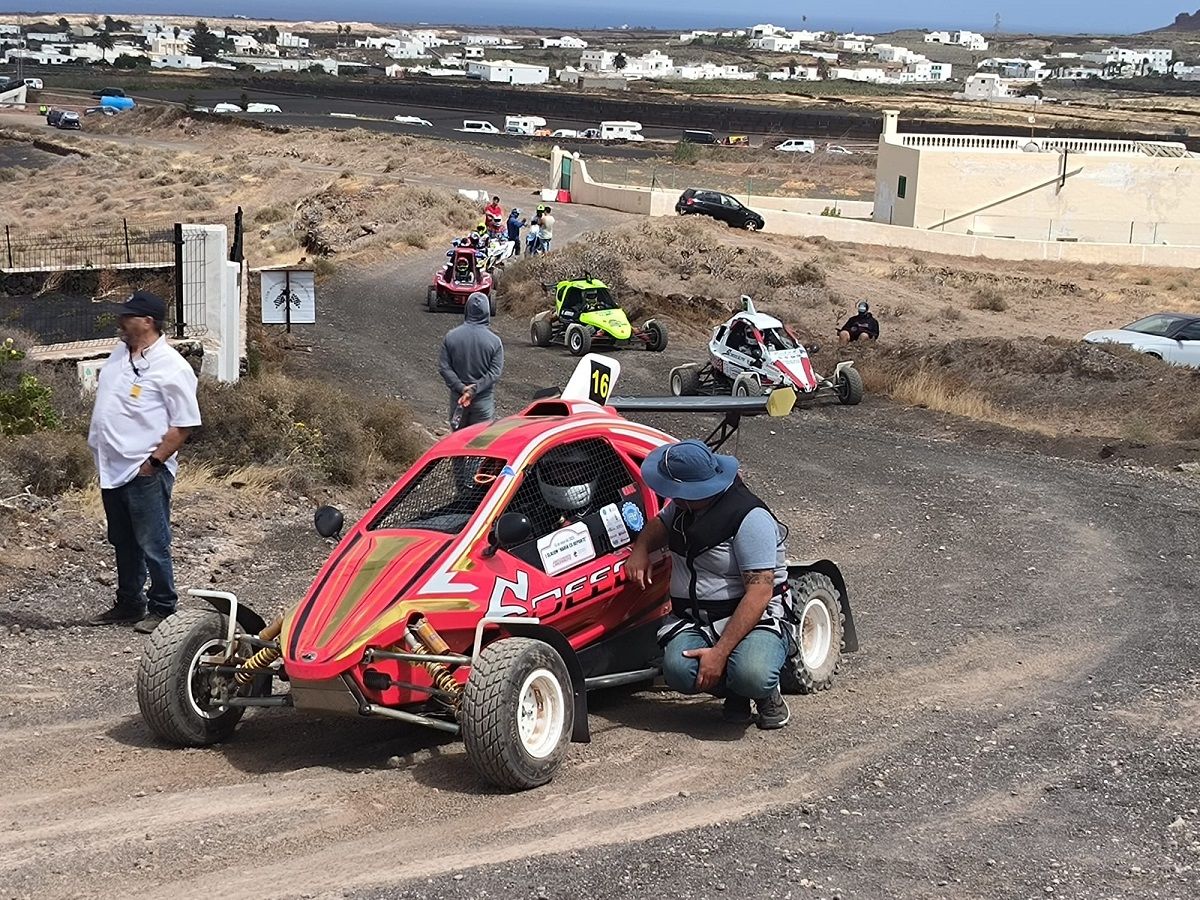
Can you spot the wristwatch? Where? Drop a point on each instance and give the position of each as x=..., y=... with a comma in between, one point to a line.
x=156, y=463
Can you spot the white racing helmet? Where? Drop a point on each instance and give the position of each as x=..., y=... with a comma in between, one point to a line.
x=566, y=479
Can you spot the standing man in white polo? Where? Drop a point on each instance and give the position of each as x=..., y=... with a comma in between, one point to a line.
x=145, y=408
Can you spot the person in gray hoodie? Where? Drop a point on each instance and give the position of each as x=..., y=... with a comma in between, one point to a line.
x=471, y=362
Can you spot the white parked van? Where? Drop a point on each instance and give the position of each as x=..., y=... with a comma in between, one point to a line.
x=478, y=126
x=621, y=131
x=33, y=83
x=564, y=133
x=526, y=125
x=795, y=145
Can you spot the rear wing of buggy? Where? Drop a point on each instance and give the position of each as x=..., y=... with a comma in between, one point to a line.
x=776, y=404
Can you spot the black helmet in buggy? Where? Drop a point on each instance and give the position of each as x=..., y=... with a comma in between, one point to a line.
x=567, y=479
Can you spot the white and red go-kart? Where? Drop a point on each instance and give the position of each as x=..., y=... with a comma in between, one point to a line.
x=754, y=353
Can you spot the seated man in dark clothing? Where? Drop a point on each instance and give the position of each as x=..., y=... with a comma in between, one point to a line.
x=862, y=325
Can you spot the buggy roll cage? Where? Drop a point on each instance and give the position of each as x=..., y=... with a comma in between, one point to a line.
x=777, y=404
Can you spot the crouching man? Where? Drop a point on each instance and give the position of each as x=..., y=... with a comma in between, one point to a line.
x=728, y=579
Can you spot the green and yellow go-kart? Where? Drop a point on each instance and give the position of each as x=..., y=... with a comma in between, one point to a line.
x=586, y=315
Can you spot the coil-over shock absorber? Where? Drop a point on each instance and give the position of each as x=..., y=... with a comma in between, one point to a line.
x=421, y=637
x=254, y=666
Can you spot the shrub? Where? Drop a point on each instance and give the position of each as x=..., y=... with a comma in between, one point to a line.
x=807, y=272
x=269, y=214
x=416, y=239
x=686, y=154
x=49, y=462
x=989, y=299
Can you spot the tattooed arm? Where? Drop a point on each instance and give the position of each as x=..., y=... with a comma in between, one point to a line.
x=759, y=585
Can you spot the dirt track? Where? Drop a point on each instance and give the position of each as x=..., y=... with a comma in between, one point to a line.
x=1023, y=719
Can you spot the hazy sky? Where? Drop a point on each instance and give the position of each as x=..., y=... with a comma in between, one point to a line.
x=1016, y=15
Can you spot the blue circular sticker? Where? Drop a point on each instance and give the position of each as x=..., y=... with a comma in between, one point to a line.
x=633, y=517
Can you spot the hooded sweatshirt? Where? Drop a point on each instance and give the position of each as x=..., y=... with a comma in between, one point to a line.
x=471, y=352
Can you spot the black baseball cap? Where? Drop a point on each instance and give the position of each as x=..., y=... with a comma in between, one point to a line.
x=144, y=303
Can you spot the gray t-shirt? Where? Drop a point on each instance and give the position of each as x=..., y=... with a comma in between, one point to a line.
x=758, y=544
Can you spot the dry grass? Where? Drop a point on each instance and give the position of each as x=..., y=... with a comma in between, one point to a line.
x=935, y=391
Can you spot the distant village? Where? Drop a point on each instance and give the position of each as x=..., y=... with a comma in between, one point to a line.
x=813, y=56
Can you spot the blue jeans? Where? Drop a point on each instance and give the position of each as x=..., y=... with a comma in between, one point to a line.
x=752, y=669
x=139, y=528
x=482, y=409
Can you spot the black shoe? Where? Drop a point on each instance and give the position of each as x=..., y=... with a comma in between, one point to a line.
x=118, y=615
x=148, y=624
x=773, y=711
x=736, y=710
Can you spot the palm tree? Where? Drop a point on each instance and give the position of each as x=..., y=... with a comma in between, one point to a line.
x=104, y=41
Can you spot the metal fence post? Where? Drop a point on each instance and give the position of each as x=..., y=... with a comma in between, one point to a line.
x=1131, y=224
x=128, y=255
x=179, y=323
x=8, y=244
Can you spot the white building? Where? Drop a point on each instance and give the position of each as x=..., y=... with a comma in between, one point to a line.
x=796, y=73
x=597, y=60
x=472, y=52
x=693, y=35
x=989, y=88
x=6, y=28
x=759, y=31
x=869, y=74
x=161, y=61
x=1076, y=72
x=41, y=57
x=968, y=39
x=853, y=44
x=1145, y=61
x=504, y=71
x=566, y=42
x=902, y=55
x=483, y=40
x=55, y=37
x=291, y=41
x=654, y=64
x=166, y=44
x=923, y=71
x=428, y=39
x=711, y=71
x=246, y=43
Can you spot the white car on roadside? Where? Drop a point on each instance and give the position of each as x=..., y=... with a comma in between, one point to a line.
x=796, y=145
x=412, y=120
x=227, y=108
x=838, y=150
x=262, y=108
x=1171, y=337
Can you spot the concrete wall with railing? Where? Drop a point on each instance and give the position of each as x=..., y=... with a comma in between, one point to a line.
x=644, y=201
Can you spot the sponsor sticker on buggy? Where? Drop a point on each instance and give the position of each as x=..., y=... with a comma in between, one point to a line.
x=566, y=548
x=633, y=517
x=618, y=534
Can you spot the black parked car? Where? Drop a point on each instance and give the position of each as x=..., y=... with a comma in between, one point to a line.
x=721, y=207
x=108, y=92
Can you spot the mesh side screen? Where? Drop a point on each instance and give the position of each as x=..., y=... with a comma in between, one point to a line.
x=607, y=477
x=444, y=496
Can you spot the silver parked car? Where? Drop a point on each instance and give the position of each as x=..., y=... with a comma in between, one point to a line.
x=1171, y=337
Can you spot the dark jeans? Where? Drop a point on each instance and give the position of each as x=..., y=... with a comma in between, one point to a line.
x=139, y=528
x=482, y=409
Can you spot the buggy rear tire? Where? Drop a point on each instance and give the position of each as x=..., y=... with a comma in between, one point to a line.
x=818, y=629
x=746, y=385
x=492, y=302
x=171, y=689
x=850, y=387
x=541, y=331
x=658, y=336
x=685, y=381
x=518, y=712
x=431, y=299
x=578, y=339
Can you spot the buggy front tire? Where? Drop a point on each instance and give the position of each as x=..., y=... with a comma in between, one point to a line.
x=579, y=339
x=818, y=629
x=431, y=299
x=172, y=687
x=658, y=336
x=685, y=381
x=746, y=385
x=850, y=387
x=541, y=331
x=517, y=713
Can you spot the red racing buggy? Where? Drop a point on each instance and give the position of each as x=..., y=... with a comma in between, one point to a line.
x=484, y=594
x=454, y=282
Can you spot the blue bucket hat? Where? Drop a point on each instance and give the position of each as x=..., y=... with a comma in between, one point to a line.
x=688, y=471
